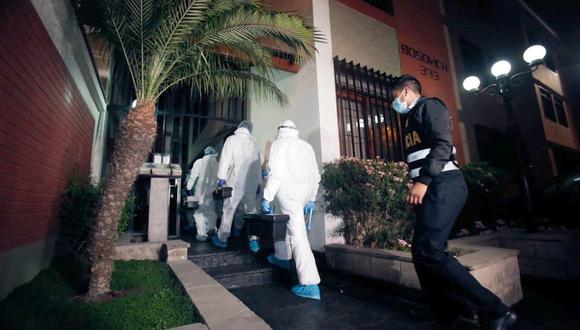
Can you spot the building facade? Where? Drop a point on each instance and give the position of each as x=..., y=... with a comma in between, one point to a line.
x=341, y=102
x=482, y=32
x=369, y=43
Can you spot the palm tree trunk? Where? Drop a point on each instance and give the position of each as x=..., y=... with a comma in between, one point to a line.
x=136, y=137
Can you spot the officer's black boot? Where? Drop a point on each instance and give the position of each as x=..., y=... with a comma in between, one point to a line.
x=501, y=323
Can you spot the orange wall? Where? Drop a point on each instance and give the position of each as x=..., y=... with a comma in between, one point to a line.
x=423, y=53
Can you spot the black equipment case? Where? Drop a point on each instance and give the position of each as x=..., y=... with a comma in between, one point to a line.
x=272, y=226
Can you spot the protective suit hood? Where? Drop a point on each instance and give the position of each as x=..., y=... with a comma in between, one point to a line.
x=285, y=132
x=242, y=131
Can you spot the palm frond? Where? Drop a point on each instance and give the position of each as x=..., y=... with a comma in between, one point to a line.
x=216, y=46
x=229, y=83
x=219, y=7
x=245, y=26
x=182, y=18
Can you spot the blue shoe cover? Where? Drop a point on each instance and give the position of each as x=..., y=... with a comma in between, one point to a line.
x=279, y=262
x=254, y=245
x=216, y=241
x=307, y=291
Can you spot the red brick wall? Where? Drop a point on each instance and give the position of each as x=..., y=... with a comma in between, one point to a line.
x=45, y=127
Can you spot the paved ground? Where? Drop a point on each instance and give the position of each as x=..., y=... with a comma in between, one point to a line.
x=346, y=304
x=352, y=303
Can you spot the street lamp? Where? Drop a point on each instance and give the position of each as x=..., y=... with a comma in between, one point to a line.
x=503, y=84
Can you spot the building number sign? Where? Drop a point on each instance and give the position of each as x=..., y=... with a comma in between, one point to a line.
x=430, y=66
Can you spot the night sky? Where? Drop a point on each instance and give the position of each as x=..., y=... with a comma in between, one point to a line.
x=563, y=16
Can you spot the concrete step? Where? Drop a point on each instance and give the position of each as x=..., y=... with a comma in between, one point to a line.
x=241, y=276
x=213, y=259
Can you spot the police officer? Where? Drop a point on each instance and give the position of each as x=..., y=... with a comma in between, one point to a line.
x=439, y=192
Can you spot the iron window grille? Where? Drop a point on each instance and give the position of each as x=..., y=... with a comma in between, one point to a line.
x=368, y=127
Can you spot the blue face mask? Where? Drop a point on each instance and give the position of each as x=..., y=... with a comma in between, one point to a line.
x=400, y=106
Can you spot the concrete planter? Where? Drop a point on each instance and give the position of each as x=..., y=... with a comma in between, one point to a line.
x=549, y=255
x=496, y=269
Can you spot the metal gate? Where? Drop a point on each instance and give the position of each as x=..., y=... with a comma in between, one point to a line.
x=368, y=127
x=186, y=124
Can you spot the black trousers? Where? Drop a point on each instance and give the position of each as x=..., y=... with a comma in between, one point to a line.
x=447, y=284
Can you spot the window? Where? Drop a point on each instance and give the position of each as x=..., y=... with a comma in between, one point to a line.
x=474, y=61
x=554, y=107
x=384, y=5
x=547, y=105
x=560, y=111
x=368, y=127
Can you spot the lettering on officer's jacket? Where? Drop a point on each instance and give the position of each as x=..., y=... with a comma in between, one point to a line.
x=412, y=139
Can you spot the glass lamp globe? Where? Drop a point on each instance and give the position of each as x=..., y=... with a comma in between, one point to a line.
x=501, y=68
x=535, y=54
x=471, y=84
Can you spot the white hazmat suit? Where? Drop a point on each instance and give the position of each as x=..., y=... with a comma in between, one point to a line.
x=293, y=178
x=204, y=176
x=239, y=166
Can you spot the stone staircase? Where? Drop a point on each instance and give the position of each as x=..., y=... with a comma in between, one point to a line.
x=235, y=267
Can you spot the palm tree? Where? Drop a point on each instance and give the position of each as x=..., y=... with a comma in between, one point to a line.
x=214, y=46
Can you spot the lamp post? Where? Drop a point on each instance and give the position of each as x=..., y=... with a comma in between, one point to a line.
x=503, y=85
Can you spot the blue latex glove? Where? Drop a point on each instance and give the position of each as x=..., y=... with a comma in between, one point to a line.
x=310, y=207
x=264, y=173
x=258, y=191
x=221, y=182
x=309, y=222
x=266, y=208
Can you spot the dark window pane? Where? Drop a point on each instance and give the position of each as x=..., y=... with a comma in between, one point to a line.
x=548, y=105
x=364, y=113
x=384, y=5
x=473, y=58
x=560, y=111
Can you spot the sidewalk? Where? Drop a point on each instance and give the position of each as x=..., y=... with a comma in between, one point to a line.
x=345, y=304
x=354, y=303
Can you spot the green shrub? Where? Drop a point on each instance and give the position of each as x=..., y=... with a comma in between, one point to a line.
x=126, y=214
x=488, y=187
x=77, y=213
x=370, y=197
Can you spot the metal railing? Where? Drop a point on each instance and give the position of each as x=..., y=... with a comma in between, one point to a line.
x=368, y=127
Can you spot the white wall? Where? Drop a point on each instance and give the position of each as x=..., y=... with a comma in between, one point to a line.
x=364, y=40
x=312, y=106
x=60, y=21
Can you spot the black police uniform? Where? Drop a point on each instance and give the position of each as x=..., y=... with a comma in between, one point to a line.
x=431, y=158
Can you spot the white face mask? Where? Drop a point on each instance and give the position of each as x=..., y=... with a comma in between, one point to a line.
x=401, y=106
